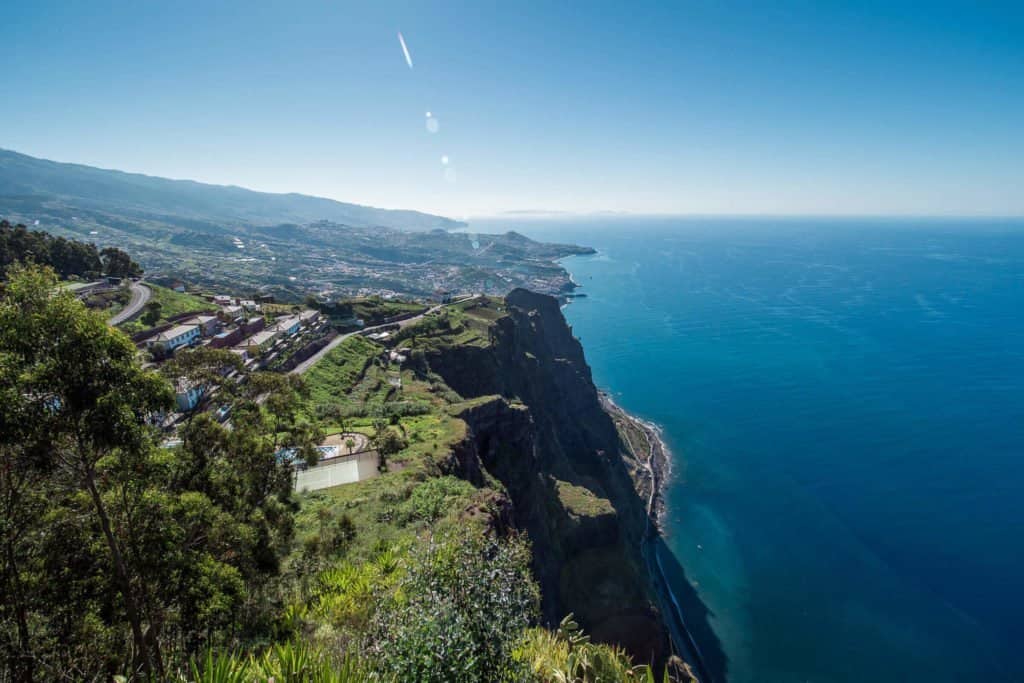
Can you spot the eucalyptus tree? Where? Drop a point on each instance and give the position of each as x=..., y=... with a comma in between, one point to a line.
x=77, y=404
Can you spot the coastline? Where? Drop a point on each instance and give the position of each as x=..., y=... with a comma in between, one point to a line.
x=658, y=467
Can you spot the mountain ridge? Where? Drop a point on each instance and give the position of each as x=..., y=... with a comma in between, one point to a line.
x=28, y=180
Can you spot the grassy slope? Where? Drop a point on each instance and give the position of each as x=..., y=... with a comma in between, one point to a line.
x=390, y=512
x=413, y=501
x=375, y=309
x=172, y=303
x=331, y=380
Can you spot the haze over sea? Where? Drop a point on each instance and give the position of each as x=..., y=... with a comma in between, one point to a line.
x=844, y=399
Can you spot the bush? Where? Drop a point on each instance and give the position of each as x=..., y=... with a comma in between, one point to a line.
x=433, y=498
x=458, y=612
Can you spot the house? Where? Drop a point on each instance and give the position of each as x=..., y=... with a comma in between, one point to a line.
x=187, y=395
x=230, y=313
x=289, y=325
x=253, y=325
x=257, y=344
x=178, y=286
x=169, y=340
x=209, y=325
x=222, y=299
x=249, y=305
x=227, y=338
x=308, y=317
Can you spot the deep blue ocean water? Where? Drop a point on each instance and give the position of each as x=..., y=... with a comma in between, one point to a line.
x=844, y=400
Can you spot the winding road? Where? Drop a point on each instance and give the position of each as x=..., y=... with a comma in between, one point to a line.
x=140, y=295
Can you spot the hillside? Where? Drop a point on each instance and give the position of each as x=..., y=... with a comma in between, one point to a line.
x=40, y=185
x=285, y=245
x=485, y=494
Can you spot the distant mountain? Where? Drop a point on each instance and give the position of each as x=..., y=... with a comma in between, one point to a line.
x=37, y=186
x=289, y=245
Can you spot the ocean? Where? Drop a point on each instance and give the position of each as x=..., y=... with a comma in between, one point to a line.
x=844, y=401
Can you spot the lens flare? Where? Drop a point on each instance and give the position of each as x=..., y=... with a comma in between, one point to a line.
x=405, y=50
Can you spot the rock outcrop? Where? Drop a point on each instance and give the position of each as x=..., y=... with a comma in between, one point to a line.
x=536, y=424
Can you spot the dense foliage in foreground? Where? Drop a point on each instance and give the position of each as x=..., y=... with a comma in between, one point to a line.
x=120, y=555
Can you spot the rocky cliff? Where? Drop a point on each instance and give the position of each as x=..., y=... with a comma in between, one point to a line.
x=537, y=426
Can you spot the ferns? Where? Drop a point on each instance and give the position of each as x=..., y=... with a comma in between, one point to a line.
x=293, y=662
x=568, y=656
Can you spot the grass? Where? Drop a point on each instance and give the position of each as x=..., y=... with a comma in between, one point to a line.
x=450, y=327
x=174, y=303
x=333, y=377
x=375, y=309
x=582, y=502
x=171, y=304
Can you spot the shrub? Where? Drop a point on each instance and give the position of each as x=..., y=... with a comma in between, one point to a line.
x=433, y=498
x=458, y=612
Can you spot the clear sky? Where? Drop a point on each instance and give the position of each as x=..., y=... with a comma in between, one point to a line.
x=712, y=107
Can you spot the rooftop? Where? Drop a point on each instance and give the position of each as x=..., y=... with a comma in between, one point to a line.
x=259, y=338
x=174, y=332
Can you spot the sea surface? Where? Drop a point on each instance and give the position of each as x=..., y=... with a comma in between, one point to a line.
x=844, y=400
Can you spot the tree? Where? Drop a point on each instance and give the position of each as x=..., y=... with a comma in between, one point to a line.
x=153, y=312
x=106, y=537
x=213, y=369
x=18, y=244
x=117, y=263
x=88, y=402
x=387, y=442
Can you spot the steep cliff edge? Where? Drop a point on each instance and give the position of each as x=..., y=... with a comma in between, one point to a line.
x=537, y=425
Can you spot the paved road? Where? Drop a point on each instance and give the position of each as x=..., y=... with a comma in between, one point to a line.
x=140, y=295
x=309, y=362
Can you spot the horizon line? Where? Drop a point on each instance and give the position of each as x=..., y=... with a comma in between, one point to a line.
x=541, y=214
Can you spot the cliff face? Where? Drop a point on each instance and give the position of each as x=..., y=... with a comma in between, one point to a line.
x=545, y=436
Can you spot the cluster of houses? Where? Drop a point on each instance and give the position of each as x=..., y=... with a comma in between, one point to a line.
x=239, y=326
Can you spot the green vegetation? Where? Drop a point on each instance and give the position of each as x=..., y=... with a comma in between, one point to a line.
x=332, y=378
x=458, y=611
x=448, y=327
x=374, y=309
x=110, y=540
x=289, y=662
x=165, y=303
x=189, y=229
x=568, y=655
x=174, y=303
x=200, y=563
x=432, y=498
x=68, y=257
x=580, y=501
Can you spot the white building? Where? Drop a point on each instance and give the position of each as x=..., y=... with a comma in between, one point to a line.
x=178, y=336
x=258, y=343
x=187, y=395
x=289, y=325
x=308, y=317
x=209, y=325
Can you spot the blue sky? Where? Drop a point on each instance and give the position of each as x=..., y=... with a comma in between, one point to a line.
x=716, y=107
